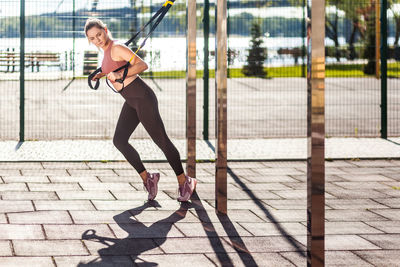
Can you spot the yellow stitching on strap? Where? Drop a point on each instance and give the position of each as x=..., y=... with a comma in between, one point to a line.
x=131, y=58
x=137, y=50
x=168, y=2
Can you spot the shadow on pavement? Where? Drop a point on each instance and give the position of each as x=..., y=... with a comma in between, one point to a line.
x=270, y=217
x=394, y=142
x=216, y=243
x=140, y=237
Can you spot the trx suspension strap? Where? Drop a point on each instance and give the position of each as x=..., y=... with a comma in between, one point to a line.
x=158, y=16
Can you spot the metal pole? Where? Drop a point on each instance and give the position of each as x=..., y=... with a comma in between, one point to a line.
x=316, y=136
x=151, y=43
x=22, y=74
x=377, y=39
x=221, y=106
x=227, y=38
x=303, y=35
x=73, y=38
x=384, y=51
x=191, y=88
x=206, y=74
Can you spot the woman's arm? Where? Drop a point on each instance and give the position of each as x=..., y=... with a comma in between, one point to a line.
x=98, y=76
x=123, y=53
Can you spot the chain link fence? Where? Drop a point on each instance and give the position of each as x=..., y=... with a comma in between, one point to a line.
x=266, y=68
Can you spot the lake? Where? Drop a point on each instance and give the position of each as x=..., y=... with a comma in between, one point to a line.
x=167, y=53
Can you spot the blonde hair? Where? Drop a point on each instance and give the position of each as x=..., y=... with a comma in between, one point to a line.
x=95, y=22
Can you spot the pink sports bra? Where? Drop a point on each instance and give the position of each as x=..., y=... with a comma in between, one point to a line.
x=108, y=64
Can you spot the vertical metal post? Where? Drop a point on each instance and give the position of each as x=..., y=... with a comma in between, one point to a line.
x=73, y=38
x=377, y=38
x=316, y=137
x=206, y=74
x=191, y=88
x=22, y=74
x=227, y=38
x=151, y=44
x=221, y=107
x=303, y=35
x=384, y=51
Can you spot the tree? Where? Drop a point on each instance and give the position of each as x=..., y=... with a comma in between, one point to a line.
x=396, y=17
x=353, y=14
x=331, y=26
x=368, y=14
x=257, y=54
x=362, y=14
x=331, y=22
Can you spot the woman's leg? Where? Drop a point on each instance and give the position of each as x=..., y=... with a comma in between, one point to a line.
x=127, y=123
x=149, y=116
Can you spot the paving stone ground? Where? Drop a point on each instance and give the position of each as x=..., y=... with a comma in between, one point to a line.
x=95, y=214
x=238, y=149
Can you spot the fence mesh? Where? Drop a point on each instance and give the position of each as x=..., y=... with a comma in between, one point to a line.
x=9, y=63
x=266, y=62
x=394, y=70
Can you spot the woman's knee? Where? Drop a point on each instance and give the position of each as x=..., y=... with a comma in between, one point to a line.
x=119, y=142
x=162, y=140
x=166, y=145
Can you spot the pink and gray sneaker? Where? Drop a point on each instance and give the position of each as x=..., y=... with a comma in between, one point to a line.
x=187, y=189
x=151, y=185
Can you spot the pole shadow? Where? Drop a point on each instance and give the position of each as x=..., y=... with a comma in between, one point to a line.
x=394, y=142
x=295, y=244
x=18, y=146
x=215, y=241
x=139, y=240
x=155, y=83
x=70, y=82
x=210, y=145
x=228, y=226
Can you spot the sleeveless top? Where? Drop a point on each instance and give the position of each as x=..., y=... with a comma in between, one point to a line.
x=108, y=64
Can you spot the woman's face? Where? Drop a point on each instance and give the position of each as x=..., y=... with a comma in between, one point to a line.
x=97, y=36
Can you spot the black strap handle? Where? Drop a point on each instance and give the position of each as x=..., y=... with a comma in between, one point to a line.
x=125, y=67
x=90, y=78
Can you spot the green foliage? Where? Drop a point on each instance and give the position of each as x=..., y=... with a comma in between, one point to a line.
x=369, y=53
x=332, y=70
x=396, y=17
x=257, y=54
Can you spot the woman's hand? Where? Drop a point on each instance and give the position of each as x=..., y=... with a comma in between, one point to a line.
x=112, y=76
x=98, y=76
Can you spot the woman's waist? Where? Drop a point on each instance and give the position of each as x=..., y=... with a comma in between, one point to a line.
x=136, y=88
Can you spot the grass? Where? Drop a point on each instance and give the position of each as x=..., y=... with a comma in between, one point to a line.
x=332, y=70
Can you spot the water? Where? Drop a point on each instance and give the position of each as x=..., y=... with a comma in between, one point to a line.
x=164, y=53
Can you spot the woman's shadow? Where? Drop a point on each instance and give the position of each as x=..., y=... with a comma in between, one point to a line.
x=140, y=237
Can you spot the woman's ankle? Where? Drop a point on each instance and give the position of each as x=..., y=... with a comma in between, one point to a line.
x=181, y=179
x=144, y=176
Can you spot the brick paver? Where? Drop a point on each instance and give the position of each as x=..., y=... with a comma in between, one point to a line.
x=78, y=213
x=26, y=261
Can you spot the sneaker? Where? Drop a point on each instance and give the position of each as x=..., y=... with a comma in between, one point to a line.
x=151, y=185
x=187, y=189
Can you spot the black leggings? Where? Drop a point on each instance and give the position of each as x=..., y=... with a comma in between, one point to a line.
x=141, y=105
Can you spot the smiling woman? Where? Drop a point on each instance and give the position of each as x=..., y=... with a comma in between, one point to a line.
x=141, y=106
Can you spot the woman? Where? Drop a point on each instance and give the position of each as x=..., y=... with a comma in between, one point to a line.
x=140, y=105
